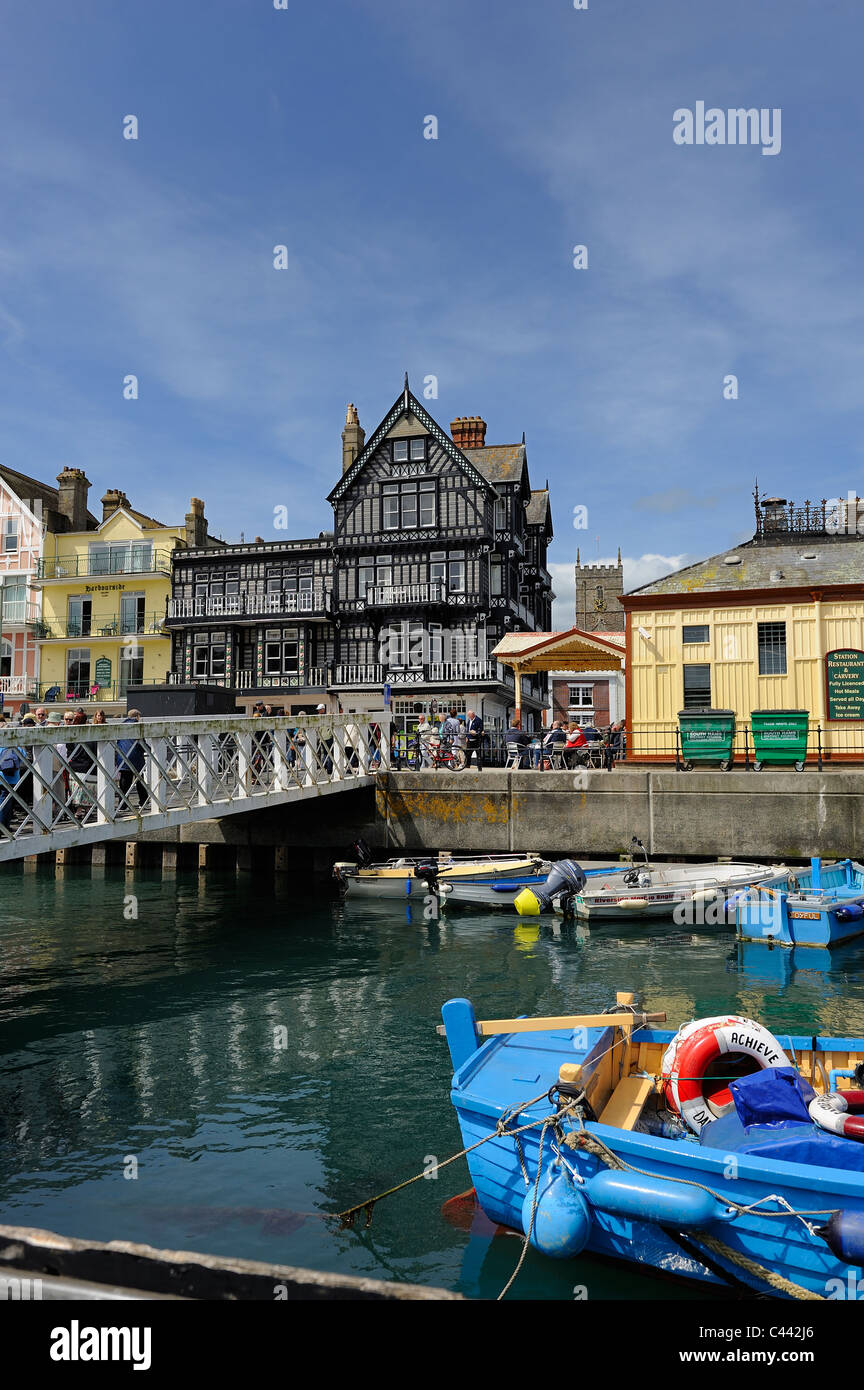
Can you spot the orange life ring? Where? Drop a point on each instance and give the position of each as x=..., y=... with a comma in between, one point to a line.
x=695, y=1085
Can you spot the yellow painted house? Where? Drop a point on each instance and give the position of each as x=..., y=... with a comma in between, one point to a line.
x=776, y=623
x=105, y=588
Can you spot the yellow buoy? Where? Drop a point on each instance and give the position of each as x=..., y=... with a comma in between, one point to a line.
x=527, y=904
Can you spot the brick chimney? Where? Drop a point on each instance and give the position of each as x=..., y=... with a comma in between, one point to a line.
x=115, y=497
x=196, y=525
x=72, y=490
x=353, y=438
x=468, y=432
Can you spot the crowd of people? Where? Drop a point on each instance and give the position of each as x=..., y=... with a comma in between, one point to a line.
x=74, y=767
x=565, y=746
x=453, y=739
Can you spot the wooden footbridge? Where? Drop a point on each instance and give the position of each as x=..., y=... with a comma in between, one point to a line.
x=61, y=787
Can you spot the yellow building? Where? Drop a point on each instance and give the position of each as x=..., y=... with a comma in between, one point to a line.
x=105, y=588
x=774, y=624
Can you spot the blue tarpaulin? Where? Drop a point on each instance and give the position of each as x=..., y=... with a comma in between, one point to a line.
x=775, y=1096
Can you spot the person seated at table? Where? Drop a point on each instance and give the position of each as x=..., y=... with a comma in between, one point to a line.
x=516, y=740
x=555, y=739
x=575, y=745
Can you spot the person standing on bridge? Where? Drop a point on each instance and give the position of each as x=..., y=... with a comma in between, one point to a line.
x=81, y=761
x=474, y=732
x=131, y=755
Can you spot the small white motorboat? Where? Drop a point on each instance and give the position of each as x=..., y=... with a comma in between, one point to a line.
x=656, y=890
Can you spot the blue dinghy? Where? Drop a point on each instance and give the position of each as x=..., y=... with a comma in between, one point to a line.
x=717, y=1153
x=819, y=906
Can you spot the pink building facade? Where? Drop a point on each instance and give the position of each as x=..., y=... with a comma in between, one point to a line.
x=20, y=604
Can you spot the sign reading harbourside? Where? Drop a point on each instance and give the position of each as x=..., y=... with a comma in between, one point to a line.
x=844, y=679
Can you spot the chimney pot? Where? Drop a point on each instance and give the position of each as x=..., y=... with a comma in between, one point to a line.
x=468, y=432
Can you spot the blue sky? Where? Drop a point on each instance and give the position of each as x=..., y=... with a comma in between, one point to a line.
x=452, y=257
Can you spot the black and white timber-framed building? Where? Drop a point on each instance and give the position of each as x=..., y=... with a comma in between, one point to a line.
x=438, y=549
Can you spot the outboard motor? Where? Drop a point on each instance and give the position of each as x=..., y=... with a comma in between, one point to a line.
x=566, y=878
x=429, y=873
x=363, y=853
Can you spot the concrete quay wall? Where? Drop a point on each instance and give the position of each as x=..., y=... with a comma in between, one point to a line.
x=702, y=814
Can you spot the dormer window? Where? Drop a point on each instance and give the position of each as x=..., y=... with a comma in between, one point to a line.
x=409, y=450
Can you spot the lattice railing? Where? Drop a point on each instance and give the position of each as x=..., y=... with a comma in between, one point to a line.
x=82, y=783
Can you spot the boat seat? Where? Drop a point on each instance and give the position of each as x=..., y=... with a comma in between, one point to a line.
x=624, y=1106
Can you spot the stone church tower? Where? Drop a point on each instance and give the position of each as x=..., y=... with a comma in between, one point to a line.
x=597, y=591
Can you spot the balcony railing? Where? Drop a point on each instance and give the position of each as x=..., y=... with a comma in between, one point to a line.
x=107, y=625
x=17, y=612
x=132, y=561
x=250, y=605
x=391, y=594
x=13, y=687
x=430, y=673
x=471, y=669
x=359, y=675
x=86, y=691
x=315, y=678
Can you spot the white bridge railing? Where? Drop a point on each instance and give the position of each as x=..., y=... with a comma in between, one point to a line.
x=79, y=784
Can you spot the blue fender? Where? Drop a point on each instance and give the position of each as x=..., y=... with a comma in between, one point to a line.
x=844, y=1236
x=675, y=1204
x=562, y=1221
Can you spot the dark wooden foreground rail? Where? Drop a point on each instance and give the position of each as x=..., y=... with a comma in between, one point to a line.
x=66, y=1268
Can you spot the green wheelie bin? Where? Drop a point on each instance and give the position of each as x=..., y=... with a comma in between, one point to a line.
x=706, y=737
x=780, y=737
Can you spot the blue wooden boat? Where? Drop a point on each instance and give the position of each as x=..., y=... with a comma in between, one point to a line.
x=820, y=906
x=574, y=1144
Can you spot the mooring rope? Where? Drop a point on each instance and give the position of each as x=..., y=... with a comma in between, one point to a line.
x=348, y=1216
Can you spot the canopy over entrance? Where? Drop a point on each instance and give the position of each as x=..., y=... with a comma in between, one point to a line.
x=529, y=652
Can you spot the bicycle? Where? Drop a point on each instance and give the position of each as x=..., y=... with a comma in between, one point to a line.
x=439, y=753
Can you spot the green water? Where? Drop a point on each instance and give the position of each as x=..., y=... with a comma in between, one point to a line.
x=264, y=1057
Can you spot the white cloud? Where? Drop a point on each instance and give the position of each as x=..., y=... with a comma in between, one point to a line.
x=638, y=570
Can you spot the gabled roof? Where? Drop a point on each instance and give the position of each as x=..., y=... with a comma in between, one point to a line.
x=539, y=511
x=573, y=650
x=408, y=404
x=30, y=489
x=147, y=523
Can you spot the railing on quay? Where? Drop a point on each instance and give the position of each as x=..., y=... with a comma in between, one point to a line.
x=82, y=783
x=825, y=744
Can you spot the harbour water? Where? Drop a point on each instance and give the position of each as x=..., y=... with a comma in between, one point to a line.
x=216, y=1064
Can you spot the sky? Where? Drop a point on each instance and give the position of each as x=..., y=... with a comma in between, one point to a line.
x=449, y=258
